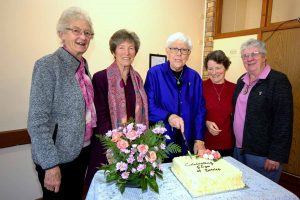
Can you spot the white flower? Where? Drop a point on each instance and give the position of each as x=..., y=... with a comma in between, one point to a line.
x=130, y=127
x=154, y=165
x=205, y=156
x=133, y=170
x=210, y=157
x=167, y=137
x=109, y=134
x=121, y=166
x=162, y=146
x=125, y=175
x=152, y=173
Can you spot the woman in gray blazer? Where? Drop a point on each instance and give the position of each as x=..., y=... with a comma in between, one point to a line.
x=61, y=110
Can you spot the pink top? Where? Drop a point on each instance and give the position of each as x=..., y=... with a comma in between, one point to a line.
x=241, y=106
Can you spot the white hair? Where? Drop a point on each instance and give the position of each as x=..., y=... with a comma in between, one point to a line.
x=72, y=13
x=179, y=37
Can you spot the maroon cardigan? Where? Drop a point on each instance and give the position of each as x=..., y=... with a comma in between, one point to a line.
x=100, y=85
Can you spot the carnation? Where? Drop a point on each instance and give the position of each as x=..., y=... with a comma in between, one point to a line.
x=137, y=155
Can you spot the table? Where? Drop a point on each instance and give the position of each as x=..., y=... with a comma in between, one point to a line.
x=258, y=187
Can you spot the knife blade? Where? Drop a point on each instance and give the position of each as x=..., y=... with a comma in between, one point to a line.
x=186, y=144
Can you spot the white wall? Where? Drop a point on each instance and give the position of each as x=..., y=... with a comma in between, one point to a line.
x=231, y=47
x=28, y=33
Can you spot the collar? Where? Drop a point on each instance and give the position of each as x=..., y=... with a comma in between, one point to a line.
x=263, y=74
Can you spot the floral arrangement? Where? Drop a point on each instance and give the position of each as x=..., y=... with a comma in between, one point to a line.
x=137, y=155
x=210, y=154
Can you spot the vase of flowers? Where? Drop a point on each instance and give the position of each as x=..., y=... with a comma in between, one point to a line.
x=137, y=155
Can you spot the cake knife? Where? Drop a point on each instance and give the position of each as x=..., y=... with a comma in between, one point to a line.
x=186, y=144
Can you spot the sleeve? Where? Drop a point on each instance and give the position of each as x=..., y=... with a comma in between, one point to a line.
x=39, y=117
x=201, y=112
x=156, y=113
x=283, y=121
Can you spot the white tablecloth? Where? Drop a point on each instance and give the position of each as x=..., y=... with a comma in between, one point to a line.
x=258, y=187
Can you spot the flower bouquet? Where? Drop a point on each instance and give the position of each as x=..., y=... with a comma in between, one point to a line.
x=137, y=155
x=210, y=154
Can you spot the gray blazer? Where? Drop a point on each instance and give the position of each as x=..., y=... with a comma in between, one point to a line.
x=56, y=119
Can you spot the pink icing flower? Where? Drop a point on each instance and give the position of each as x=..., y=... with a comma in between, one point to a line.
x=216, y=155
x=132, y=135
x=209, y=154
x=125, y=175
x=143, y=148
x=152, y=173
x=152, y=157
x=116, y=136
x=122, y=145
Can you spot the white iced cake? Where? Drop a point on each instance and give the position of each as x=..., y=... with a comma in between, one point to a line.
x=202, y=176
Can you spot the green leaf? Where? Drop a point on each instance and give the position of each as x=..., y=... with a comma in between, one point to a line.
x=153, y=185
x=173, y=148
x=159, y=175
x=122, y=187
x=143, y=184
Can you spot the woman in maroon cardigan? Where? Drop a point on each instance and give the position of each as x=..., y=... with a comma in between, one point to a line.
x=119, y=95
x=218, y=98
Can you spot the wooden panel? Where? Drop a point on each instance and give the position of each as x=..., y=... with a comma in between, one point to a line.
x=284, y=55
x=13, y=138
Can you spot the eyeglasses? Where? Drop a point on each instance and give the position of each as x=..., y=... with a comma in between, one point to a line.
x=182, y=51
x=253, y=55
x=78, y=32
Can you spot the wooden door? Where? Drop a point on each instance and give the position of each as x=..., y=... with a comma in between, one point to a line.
x=284, y=55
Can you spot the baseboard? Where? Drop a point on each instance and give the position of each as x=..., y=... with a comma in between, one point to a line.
x=14, y=138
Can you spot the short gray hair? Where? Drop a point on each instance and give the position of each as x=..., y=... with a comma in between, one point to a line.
x=72, y=13
x=254, y=43
x=123, y=35
x=179, y=37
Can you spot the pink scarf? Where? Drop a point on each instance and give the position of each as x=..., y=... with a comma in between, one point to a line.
x=88, y=94
x=117, y=101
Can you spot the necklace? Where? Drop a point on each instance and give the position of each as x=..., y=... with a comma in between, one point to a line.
x=248, y=86
x=246, y=89
x=178, y=82
x=219, y=93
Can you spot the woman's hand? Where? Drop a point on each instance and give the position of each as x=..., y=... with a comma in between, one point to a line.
x=213, y=128
x=52, y=179
x=271, y=165
x=199, y=147
x=176, y=122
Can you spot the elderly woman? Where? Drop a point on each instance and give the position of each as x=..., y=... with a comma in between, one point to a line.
x=218, y=93
x=263, y=113
x=119, y=94
x=61, y=110
x=175, y=96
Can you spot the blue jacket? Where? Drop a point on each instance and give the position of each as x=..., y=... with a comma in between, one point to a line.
x=56, y=120
x=162, y=91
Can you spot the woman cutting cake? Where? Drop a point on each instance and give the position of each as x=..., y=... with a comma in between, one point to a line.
x=175, y=97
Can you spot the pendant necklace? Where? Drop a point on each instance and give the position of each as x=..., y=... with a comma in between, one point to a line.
x=219, y=93
x=178, y=82
x=248, y=86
